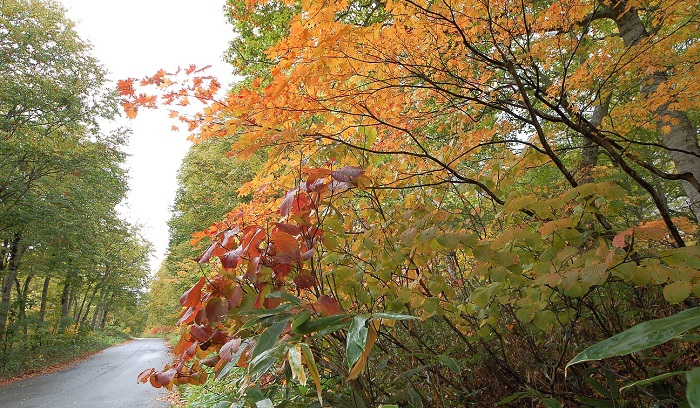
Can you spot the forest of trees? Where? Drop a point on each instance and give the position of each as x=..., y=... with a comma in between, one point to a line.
x=439, y=204
x=69, y=264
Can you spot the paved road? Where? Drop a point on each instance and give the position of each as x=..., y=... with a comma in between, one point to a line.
x=107, y=379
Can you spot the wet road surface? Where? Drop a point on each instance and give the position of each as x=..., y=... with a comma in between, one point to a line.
x=106, y=379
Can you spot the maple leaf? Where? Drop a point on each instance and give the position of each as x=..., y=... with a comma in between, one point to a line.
x=125, y=87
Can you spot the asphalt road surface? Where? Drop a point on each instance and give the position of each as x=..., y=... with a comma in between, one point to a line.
x=106, y=379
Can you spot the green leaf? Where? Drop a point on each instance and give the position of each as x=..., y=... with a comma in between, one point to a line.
x=263, y=361
x=393, y=316
x=357, y=337
x=313, y=369
x=268, y=338
x=266, y=403
x=286, y=296
x=677, y=292
x=300, y=319
x=450, y=363
x=650, y=380
x=323, y=325
x=692, y=388
x=641, y=336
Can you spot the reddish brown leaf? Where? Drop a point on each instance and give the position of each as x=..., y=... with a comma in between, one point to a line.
x=219, y=337
x=201, y=332
x=187, y=316
x=162, y=379
x=229, y=349
x=619, y=240
x=211, y=361
x=286, y=206
x=252, y=269
x=281, y=271
x=304, y=280
x=235, y=297
x=145, y=374
x=215, y=309
x=307, y=255
x=348, y=174
x=290, y=229
x=251, y=240
x=316, y=178
x=226, y=237
x=204, y=258
x=327, y=306
x=192, y=296
x=125, y=87
x=231, y=259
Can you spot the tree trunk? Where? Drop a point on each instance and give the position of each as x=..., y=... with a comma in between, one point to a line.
x=22, y=294
x=680, y=136
x=44, y=296
x=105, y=310
x=65, y=300
x=15, y=253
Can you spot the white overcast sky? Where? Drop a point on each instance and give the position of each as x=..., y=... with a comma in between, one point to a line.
x=135, y=38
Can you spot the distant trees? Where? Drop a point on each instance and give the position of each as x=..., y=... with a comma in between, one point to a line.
x=66, y=259
x=209, y=183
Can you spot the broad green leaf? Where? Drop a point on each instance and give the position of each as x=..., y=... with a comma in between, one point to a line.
x=692, y=387
x=268, y=338
x=323, y=325
x=300, y=319
x=677, y=292
x=641, y=336
x=263, y=361
x=357, y=336
x=551, y=403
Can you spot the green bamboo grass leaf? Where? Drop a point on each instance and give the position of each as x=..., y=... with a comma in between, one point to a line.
x=641, y=336
x=313, y=369
x=323, y=325
x=692, y=388
x=650, y=380
x=357, y=337
x=268, y=338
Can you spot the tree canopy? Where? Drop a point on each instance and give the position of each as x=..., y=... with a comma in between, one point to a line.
x=67, y=260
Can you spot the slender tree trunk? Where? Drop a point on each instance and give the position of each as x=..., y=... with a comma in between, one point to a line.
x=79, y=311
x=105, y=310
x=65, y=300
x=90, y=302
x=22, y=294
x=44, y=297
x=14, y=256
x=72, y=300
